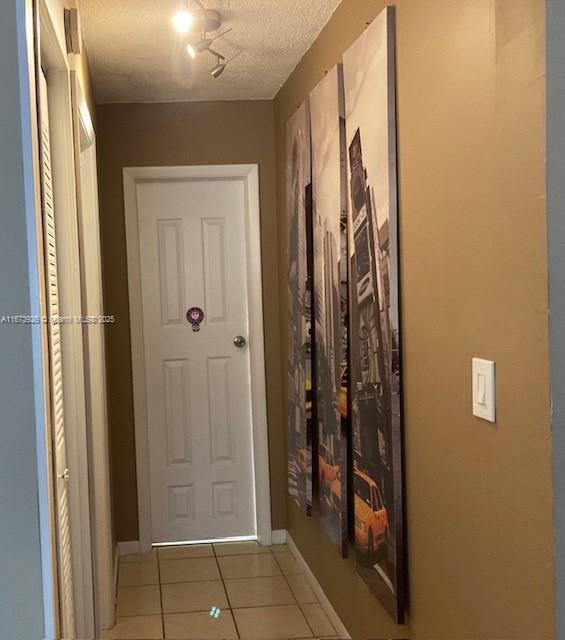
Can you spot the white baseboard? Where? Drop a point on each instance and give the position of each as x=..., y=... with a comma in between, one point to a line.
x=128, y=548
x=278, y=536
x=318, y=591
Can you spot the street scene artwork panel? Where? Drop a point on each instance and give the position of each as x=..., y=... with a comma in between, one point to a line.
x=369, y=80
x=330, y=301
x=300, y=344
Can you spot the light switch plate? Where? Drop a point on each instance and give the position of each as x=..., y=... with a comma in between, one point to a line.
x=484, y=400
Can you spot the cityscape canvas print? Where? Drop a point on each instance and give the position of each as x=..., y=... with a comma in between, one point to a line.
x=369, y=81
x=344, y=365
x=300, y=364
x=330, y=301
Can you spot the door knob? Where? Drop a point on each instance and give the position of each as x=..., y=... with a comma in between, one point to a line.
x=66, y=475
x=239, y=342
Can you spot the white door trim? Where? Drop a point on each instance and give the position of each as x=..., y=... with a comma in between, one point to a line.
x=28, y=37
x=53, y=57
x=249, y=174
x=100, y=555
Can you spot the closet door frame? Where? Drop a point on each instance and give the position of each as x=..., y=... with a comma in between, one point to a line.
x=103, y=557
x=46, y=35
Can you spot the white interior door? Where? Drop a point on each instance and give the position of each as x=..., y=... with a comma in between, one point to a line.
x=193, y=254
x=66, y=598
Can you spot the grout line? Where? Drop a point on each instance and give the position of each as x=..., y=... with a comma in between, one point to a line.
x=223, y=555
x=282, y=569
x=267, y=606
x=285, y=578
x=253, y=606
x=222, y=580
x=226, y=591
x=231, y=610
x=296, y=603
x=307, y=621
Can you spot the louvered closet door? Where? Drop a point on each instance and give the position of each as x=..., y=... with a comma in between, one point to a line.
x=56, y=386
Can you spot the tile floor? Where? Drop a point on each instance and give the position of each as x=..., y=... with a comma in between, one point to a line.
x=260, y=592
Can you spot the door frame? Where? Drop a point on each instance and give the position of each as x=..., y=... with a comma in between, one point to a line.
x=50, y=50
x=101, y=552
x=249, y=175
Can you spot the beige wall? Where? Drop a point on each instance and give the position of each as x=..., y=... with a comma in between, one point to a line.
x=181, y=134
x=471, y=118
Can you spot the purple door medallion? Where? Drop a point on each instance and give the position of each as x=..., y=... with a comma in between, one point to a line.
x=195, y=316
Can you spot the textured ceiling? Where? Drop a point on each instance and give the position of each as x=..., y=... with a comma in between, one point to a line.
x=137, y=56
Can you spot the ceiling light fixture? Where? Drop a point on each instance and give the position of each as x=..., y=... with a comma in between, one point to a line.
x=191, y=51
x=208, y=20
x=221, y=65
x=183, y=21
x=204, y=21
x=203, y=44
x=198, y=47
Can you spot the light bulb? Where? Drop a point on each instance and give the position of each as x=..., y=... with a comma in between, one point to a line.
x=199, y=47
x=182, y=21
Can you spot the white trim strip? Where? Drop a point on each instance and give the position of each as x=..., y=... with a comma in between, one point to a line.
x=385, y=578
x=187, y=543
x=132, y=547
x=249, y=173
x=279, y=536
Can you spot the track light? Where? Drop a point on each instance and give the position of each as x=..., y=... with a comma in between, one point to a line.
x=206, y=21
x=198, y=47
x=203, y=44
x=182, y=21
x=221, y=65
x=217, y=71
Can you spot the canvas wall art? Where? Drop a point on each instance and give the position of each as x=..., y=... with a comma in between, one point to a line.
x=300, y=338
x=369, y=81
x=330, y=301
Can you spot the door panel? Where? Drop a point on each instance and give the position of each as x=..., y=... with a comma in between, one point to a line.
x=66, y=597
x=192, y=254
x=219, y=395
x=214, y=249
x=178, y=429
x=171, y=252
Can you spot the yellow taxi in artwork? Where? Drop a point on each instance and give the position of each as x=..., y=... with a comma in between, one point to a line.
x=335, y=492
x=328, y=468
x=302, y=460
x=371, y=519
x=343, y=403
